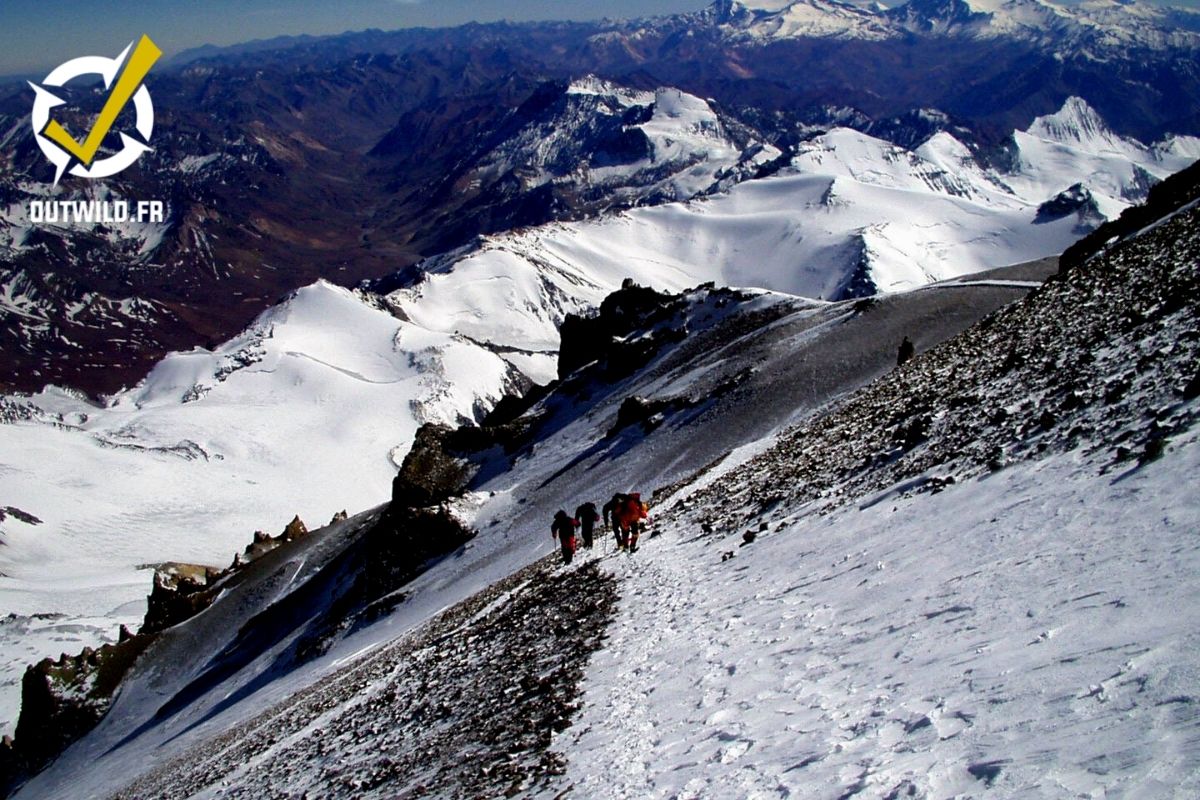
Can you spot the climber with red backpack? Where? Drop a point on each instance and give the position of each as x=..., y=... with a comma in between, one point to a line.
x=563, y=529
x=627, y=512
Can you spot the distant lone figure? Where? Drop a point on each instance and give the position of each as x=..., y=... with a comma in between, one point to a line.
x=906, y=351
x=586, y=518
x=563, y=529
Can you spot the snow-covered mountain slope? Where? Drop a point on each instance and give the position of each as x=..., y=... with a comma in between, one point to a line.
x=854, y=214
x=769, y=20
x=970, y=575
x=1031, y=635
x=997, y=599
x=622, y=146
x=178, y=468
x=1099, y=26
x=299, y=415
x=776, y=354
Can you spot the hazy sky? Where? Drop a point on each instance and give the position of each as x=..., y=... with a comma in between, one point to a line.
x=36, y=35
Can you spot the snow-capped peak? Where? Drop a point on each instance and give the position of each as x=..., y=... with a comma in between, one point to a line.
x=1077, y=124
x=984, y=19
x=593, y=85
x=770, y=6
x=772, y=20
x=631, y=144
x=1090, y=27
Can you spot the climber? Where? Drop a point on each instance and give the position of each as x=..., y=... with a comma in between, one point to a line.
x=905, y=352
x=627, y=519
x=586, y=518
x=563, y=529
x=611, y=506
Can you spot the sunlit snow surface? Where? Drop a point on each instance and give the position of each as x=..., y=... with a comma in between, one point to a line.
x=1032, y=634
x=309, y=411
x=1030, y=630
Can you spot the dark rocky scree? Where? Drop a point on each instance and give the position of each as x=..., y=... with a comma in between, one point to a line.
x=1171, y=194
x=466, y=707
x=1104, y=358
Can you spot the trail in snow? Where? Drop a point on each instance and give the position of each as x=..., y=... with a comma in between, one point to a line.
x=1030, y=634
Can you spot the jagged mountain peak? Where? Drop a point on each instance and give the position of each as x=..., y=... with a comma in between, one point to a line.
x=1079, y=125
x=593, y=85
x=593, y=143
x=771, y=20
x=1102, y=25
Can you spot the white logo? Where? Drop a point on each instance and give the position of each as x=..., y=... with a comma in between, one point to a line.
x=61, y=149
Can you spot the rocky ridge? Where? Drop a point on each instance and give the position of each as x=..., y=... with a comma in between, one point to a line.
x=63, y=699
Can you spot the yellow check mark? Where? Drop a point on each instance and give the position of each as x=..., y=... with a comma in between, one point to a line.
x=139, y=63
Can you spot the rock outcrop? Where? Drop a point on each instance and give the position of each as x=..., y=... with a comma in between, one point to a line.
x=602, y=337
x=61, y=701
x=434, y=469
x=443, y=460
x=180, y=591
x=264, y=543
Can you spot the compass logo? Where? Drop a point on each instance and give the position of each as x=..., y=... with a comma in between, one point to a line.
x=123, y=78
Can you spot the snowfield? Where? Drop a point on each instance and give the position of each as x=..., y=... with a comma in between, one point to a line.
x=1035, y=633
x=854, y=214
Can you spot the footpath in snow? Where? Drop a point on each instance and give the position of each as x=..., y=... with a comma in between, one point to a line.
x=1033, y=633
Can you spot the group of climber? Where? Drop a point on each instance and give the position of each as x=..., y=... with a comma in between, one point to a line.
x=625, y=513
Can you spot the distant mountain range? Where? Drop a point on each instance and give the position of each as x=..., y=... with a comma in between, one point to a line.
x=352, y=157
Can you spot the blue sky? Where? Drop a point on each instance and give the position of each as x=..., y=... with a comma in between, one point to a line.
x=36, y=35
